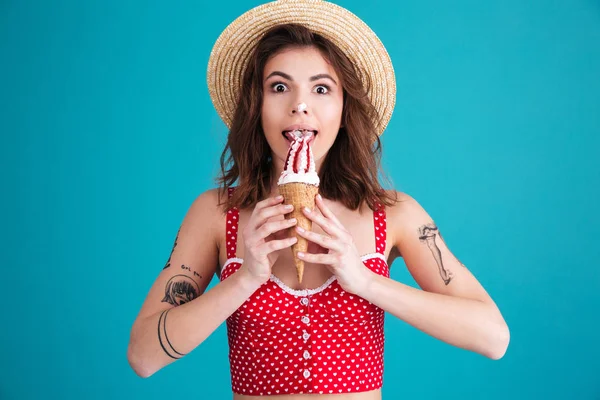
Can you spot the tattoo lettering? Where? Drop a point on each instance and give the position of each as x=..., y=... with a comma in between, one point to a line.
x=180, y=289
x=194, y=272
x=174, y=245
x=427, y=234
x=163, y=339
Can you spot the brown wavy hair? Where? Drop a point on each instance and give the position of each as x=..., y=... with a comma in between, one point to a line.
x=349, y=172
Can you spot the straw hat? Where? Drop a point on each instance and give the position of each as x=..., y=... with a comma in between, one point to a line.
x=232, y=50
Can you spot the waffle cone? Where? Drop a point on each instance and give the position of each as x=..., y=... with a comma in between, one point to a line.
x=299, y=195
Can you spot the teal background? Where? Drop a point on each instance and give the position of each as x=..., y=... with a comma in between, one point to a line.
x=109, y=134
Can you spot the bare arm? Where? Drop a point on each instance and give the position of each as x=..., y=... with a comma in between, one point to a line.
x=177, y=316
x=453, y=306
x=167, y=335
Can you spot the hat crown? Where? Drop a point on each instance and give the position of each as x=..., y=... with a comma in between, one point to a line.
x=359, y=43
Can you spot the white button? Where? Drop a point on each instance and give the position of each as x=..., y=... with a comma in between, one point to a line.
x=306, y=355
x=304, y=301
x=306, y=373
x=306, y=320
x=306, y=335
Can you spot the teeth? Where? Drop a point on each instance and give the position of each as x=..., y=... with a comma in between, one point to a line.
x=298, y=134
x=301, y=132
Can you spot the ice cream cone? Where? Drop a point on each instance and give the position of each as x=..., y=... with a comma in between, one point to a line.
x=299, y=195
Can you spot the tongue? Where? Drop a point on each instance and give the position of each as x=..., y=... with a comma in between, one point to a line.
x=296, y=135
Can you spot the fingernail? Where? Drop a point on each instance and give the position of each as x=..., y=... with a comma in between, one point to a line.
x=319, y=197
x=279, y=197
x=306, y=209
x=300, y=254
x=289, y=207
x=292, y=220
x=300, y=229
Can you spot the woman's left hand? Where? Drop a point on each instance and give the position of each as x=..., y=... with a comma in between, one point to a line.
x=342, y=257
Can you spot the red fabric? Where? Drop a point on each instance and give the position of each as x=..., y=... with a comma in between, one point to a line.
x=326, y=340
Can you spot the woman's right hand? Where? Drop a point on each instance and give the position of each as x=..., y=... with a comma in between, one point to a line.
x=265, y=233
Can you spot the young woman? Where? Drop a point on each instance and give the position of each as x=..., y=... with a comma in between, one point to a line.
x=324, y=336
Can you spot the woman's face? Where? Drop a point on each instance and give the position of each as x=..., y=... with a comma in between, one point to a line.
x=300, y=75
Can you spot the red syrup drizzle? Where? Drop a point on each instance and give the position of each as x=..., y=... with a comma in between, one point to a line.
x=287, y=158
x=307, y=156
x=297, y=159
x=303, y=146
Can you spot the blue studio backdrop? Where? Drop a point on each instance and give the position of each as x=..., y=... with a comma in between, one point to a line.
x=109, y=134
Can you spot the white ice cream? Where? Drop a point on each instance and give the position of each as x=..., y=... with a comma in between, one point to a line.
x=300, y=163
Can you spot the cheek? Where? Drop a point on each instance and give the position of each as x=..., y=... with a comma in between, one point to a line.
x=271, y=123
x=331, y=111
x=330, y=117
x=269, y=112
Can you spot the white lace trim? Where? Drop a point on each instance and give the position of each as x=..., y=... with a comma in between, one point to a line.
x=302, y=292
x=229, y=262
x=373, y=255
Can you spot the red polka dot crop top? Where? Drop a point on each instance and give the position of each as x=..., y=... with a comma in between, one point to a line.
x=313, y=341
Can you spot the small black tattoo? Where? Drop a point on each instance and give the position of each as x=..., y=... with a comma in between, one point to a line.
x=174, y=245
x=163, y=339
x=194, y=272
x=427, y=234
x=180, y=289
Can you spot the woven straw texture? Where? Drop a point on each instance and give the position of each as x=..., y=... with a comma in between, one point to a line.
x=300, y=195
x=232, y=49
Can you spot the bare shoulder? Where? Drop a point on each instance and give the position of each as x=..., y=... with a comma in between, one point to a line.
x=404, y=207
x=208, y=211
x=407, y=218
x=403, y=218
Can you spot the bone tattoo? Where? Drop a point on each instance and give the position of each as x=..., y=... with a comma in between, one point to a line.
x=427, y=235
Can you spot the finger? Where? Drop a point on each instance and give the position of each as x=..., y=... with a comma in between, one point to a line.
x=322, y=240
x=268, y=202
x=275, y=226
x=260, y=206
x=329, y=227
x=261, y=216
x=274, y=245
x=274, y=211
x=327, y=259
x=327, y=213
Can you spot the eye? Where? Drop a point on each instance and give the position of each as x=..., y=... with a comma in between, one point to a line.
x=278, y=87
x=322, y=89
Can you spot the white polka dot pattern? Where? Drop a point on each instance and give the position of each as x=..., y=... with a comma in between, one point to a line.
x=233, y=216
x=325, y=340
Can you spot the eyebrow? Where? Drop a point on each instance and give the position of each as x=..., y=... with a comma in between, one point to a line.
x=289, y=78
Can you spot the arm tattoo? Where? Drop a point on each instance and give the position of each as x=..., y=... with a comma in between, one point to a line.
x=183, y=266
x=427, y=234
x=174, y=245
x=180, y=289
x=163, y=339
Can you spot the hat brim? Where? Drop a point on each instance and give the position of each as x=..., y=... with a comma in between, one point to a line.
x=361, y=45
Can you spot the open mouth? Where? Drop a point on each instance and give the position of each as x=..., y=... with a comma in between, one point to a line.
x=298, y=133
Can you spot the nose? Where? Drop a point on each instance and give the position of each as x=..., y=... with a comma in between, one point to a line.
x=300, y=108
